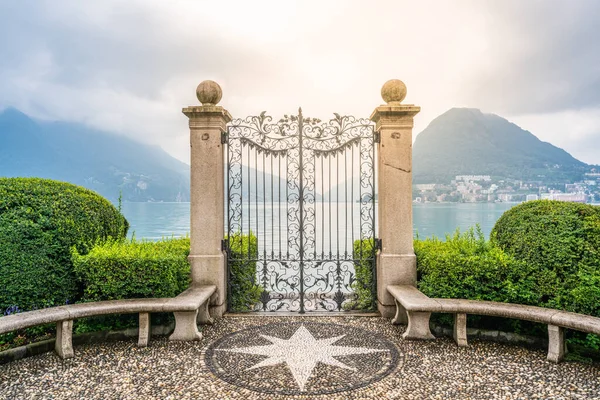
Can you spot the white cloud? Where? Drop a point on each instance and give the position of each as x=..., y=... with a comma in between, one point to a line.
x=131, y=66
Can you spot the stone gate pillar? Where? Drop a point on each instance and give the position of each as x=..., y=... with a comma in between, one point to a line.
x=396, y=261
x=207, y=260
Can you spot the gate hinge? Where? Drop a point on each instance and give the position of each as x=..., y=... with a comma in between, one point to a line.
x=377, y=137
x=378, y=244
x=224, y=244
x=223, y=137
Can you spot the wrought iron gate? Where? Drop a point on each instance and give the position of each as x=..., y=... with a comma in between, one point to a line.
x=300, y=214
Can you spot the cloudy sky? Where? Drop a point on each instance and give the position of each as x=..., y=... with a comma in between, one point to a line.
x=130, y=66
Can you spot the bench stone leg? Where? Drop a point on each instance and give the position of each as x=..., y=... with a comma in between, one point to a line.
x=144, y=330
x=64, y=339
x=204, y=314
x=185, y=326
x=556, y=343
x=400, y=317
x=460, y=329
x=418, y=326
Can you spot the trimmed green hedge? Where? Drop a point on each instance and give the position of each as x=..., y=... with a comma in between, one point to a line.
x=40, y=220
x=467, y=266
x=142, y=269
x=363, y=253
x=134, y=269
x=131, y=269
x=244, y=293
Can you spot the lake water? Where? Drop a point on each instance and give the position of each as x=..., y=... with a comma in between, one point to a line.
x=153, y=221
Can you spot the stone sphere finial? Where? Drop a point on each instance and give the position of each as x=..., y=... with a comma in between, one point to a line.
x=209, y=93
x=393, y=91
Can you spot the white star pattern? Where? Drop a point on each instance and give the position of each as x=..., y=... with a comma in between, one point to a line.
x=301, y=353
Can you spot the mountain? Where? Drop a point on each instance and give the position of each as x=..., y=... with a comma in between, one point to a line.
x=107, y=163
x=465, y=141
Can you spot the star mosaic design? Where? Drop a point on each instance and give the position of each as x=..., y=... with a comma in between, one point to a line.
x=302, y=358
x=301, y=353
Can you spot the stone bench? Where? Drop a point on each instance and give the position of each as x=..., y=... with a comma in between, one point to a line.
x=190, y=307
x=418, y=308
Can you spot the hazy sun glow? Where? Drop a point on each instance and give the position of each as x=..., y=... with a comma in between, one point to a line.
x=131, y=66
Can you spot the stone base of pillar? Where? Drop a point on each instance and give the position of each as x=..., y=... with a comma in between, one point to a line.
x=210, y=270
x=388, y=311
x=394, y=269
x=217, y=311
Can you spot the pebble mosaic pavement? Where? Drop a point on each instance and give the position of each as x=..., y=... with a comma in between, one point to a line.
x=225, y=365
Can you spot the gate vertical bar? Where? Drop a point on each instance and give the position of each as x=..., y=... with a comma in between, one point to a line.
x=228, y=205
x=301, y=204
x=376, y=240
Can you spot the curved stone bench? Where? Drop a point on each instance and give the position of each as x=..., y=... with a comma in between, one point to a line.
x=189, y=308
x=418, y=308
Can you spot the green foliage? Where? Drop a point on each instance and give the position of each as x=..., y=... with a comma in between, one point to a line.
x=560, y=242
x=364, y=285
x=141, y=269
x=516, y=266
x=40, y=220
x=131, y=269
x=467, y=266
x=134, y=269
x=244, y=292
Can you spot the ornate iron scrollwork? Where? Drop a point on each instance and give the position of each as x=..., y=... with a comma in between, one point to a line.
x=288, y=184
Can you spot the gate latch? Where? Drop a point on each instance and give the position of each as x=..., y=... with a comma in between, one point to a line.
x=223, y=137
x=224, y=245
x=378, y=244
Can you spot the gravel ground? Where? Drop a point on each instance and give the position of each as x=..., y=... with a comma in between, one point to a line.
x=419, y=370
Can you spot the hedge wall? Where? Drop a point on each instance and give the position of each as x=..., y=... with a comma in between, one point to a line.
x=470, y=267
x=467, y=266
x=131, y=269
x=363, y=252
x=142, y=269
x=134, y=269
x=244, y=293
x=40, y=220
x=560, y=242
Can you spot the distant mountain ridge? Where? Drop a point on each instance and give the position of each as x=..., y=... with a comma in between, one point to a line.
x=462, y=141
x=465, y=141
x=107, y=163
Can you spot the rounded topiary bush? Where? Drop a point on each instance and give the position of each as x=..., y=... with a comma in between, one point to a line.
x=560, y=242
x=40, y=221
